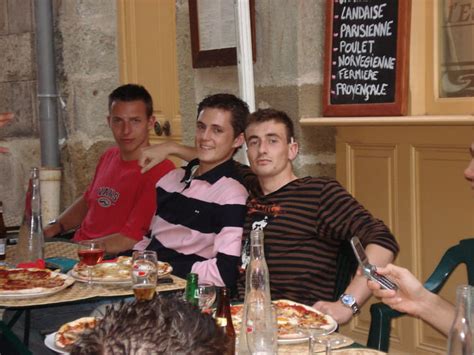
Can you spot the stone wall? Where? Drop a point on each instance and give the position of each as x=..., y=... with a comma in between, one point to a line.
x=87, y=70
x=18, y=95
x=288, y=76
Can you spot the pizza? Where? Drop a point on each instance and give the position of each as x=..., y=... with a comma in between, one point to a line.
x=69, y=333
x=30, y=281
x=290, y=316
x=118, y=270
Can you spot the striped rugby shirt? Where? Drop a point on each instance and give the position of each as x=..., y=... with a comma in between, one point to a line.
x=304, y=223
x=198, y=222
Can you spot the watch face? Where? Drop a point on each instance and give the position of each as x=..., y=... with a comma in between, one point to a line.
x=347, y=299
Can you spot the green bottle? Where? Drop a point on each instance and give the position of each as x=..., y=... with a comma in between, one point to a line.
x=190, y=293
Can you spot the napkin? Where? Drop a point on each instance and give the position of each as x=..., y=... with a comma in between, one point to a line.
x=38, y=264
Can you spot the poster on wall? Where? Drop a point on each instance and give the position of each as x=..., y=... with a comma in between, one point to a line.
x=366, y=58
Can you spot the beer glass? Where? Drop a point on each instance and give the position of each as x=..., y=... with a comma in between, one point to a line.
x=144, y=274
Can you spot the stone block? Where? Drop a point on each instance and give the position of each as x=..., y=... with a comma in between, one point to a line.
x=89, y=37
x=87, y=105
x=20, y=16
x=17, y=60
x=20, y=98
x=87, y=51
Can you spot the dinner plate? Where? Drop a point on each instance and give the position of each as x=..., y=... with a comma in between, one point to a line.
x=49, y=342
x=119, y=274
x=299, y=338
x=25, y=294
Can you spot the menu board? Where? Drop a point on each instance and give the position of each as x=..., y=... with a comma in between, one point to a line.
x=366, y=59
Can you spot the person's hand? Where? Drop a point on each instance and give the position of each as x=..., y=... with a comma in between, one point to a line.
x=5, y=118
x=337, y=310
x=410, y=294
x=152, y=155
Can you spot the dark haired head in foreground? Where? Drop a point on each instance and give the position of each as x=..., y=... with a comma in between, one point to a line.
x=162, y=326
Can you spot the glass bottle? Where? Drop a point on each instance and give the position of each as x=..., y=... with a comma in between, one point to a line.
x=190, y=294
x=460, y=336
x=3, y=235
x=224, y=317
x=259, y=332
x=30, y=237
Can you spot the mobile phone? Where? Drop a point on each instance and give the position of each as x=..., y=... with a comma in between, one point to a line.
x=369, y=270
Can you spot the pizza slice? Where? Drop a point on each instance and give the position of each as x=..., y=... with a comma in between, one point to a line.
x=69, y=333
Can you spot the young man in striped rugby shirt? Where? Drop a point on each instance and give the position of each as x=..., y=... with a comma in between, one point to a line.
x=201, y=208
x=305, y=220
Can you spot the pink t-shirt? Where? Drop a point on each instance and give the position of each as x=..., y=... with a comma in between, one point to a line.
x=120, y=199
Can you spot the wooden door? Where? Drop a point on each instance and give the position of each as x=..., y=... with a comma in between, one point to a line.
x=147, y=44
x=411, y=178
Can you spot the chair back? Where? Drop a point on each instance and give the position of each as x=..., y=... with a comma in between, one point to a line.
x=381, y=314
x=346, y=267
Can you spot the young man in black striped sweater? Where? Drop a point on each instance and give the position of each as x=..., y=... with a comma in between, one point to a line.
x=305, y=220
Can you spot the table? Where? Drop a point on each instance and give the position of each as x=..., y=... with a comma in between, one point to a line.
x=79, y=292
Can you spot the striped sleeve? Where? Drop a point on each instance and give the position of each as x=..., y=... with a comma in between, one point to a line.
x=341, y=216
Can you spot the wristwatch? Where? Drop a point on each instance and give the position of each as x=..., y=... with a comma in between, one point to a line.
x=350, y=302
x=56, y=221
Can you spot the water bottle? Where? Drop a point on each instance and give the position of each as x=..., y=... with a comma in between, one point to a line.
x=460, y=336
x=259, y=330
x=30, y=237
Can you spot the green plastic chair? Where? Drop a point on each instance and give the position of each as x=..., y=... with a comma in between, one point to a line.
x=381, y=314
x=9, y=342
x=346, y=267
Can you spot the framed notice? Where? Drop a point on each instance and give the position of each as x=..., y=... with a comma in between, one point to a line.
x=213, y=32
x=366, y=58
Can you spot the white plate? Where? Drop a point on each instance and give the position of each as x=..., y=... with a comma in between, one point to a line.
x=68, y=281
x=297, y=338
x=163, y=269
x=49, y=342
x=99, y=282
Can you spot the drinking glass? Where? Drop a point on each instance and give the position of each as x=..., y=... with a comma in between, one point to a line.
x=90, y=253
x=320, y=335
x=206, y=294
x=144, y=274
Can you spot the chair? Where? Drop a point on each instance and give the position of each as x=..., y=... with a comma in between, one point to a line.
x=9, y=342
x=346, y=267
x=381, y=314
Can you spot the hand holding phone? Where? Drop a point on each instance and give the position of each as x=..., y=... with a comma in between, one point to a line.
x=369, y=270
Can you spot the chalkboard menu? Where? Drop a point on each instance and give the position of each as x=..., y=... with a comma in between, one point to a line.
x=366, y=59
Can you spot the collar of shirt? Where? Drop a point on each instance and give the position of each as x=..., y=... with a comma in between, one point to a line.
x=227, y=168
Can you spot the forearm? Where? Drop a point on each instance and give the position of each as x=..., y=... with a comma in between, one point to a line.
x=444, y=315
x=181, y=151
x=117, y=243
x=377, y=256
x=220, y=271
x=71, y=218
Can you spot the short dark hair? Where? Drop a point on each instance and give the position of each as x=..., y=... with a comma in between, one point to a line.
x=269, y=114
x=161, y=326
x=132, y=92
x=238, y=108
